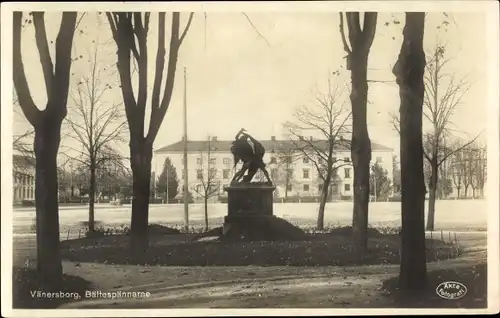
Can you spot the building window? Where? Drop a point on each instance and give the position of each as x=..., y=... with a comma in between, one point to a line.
x=306, y=187
x=347, y=172
x=305, y=173
x=288, y=187
x=347, y=159
x=225, y=173
x=347, y=187
x=225, y=161
x=213, y=173
x=212, y=161
x=198, y=161
x=305, y=160
x=199, y=174
x=273, y=160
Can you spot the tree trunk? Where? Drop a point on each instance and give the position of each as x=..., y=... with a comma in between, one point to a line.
x=206, y=213
x=322, y=205
x=46, y=145
x=141, y=156
x=474, y=192
x=360, y=152
x=466, y=190
x=92, y=190
x=432, y=197
x=409, y=71
x=458, y=192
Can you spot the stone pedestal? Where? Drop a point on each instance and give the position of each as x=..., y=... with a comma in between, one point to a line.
x=250, y=215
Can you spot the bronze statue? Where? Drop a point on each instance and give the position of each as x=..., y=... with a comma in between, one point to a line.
x=252, y=157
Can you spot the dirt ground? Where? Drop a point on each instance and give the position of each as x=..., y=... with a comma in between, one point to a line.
x=253, y=286
x=249, y=287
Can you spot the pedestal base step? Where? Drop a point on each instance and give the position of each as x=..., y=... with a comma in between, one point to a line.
x=260, y=228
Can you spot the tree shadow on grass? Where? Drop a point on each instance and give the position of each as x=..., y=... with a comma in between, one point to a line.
x=473, y=277
x=26, y=286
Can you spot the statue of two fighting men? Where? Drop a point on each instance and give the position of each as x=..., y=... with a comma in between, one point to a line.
x=251, y=153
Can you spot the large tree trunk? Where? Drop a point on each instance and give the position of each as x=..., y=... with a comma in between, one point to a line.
x=409, y=71
x=92, y=190
x=466, y=190
x=360, y=152
x=458, y=192
x=46, y=145
x=432, y=196
x=206, y=213
x=141, y=156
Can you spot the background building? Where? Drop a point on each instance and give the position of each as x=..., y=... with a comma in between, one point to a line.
x=23, y=178
x=298, y=177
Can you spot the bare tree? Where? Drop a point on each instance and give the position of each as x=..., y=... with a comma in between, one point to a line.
x=47, y=126
x=130, y=30
x=285, y=155
x=329, y=118
x=209, y=184
x=459, y=167
x=439, y=108
x=480, y=174
x=95, y=124
x=409, y=71
x=358, y=49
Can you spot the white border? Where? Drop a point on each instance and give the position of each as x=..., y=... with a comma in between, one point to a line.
x=490, y=7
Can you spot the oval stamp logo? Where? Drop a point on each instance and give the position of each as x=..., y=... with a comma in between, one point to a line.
x=451, y=290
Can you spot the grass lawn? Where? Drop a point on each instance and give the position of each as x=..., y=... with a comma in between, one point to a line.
x=473, y=277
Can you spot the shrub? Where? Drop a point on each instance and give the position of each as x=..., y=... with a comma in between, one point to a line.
x=346, y=197
x=28, y=203
x=98, y=232
x=222, y=199
x=395, y=198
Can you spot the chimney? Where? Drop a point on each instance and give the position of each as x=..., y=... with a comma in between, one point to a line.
x=273, y=138
x=214, y=138
x=182, y=138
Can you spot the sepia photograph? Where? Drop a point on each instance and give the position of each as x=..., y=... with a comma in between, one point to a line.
x=250, y=158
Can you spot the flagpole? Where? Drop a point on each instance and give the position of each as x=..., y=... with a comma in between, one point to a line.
x=186, y=185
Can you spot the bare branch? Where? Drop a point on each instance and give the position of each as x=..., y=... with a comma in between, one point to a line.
x=458, y=149
x=342, y=34
x=190, y=19
x=255, y=28
x=43, y=51
x=369, y=27
x=157, y=114
x=32, y=113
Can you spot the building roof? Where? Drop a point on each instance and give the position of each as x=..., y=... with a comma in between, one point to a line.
x=269, y=145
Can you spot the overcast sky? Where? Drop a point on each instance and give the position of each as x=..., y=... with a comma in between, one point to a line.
x=235, y=78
